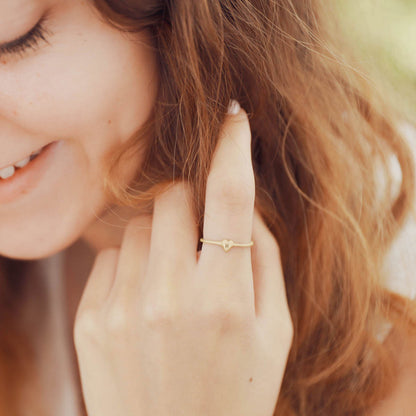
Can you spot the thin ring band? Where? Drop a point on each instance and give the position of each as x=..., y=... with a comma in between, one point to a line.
x=227, y=244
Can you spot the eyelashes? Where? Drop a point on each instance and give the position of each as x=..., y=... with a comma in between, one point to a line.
x=29, y=40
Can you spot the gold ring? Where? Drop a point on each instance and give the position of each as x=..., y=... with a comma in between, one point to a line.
x=227, y=244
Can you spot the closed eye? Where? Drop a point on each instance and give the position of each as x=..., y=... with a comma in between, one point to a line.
x=29, y=40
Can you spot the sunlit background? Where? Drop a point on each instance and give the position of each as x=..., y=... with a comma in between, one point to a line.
x=383, y=33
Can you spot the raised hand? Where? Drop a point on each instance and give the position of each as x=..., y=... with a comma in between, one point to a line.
x=161, y=331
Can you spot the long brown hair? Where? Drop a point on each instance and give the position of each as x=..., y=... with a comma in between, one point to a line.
x=321, y=138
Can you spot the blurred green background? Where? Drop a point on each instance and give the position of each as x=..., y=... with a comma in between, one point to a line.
x=383, y=35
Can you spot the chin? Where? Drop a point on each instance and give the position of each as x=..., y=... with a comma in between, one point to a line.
x=37, y=248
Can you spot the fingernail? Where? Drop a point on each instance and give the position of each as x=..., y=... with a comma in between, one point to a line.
x=233, y=107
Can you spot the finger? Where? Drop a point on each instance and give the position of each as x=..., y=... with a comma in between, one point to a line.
x=269, y=284
x=174, y=238
x=229, y=201
x=100, y=280
x=133, y=259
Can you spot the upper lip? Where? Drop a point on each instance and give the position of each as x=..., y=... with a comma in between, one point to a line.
x=23, y=157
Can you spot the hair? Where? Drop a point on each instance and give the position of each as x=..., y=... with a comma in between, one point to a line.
x=322, y=137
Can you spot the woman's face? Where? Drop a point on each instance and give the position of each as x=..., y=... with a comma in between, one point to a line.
x=89, y=87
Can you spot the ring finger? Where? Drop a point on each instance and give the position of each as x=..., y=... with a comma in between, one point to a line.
x=229, y=206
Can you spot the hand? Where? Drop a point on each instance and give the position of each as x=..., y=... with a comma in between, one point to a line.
x=162, y=331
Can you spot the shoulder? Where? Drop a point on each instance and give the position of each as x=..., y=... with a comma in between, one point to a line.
x=402, y=400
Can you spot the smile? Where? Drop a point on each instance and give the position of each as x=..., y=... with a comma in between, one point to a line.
x=20, y=178
x=10, y=170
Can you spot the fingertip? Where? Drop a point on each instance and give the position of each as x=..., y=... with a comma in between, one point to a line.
x=237, y=112
x=237, y=127
x=233, y=107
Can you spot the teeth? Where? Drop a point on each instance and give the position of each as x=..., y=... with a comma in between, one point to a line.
x=7, y=172
x=23, y=162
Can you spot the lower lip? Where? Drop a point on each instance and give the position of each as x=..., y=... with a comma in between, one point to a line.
x=26, y=178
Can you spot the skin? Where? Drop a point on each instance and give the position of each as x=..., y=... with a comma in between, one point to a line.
x=91, y=87
x=187, y=334
x=223, y=329
x=44, y=95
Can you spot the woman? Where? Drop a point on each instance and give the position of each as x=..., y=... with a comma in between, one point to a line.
x=108, y=288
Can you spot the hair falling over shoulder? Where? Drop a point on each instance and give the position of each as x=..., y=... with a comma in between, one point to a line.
x=321, y=139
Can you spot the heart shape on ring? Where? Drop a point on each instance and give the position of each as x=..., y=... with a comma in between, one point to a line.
x=227, y=244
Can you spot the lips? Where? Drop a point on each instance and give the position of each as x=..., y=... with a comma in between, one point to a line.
x=26, y=180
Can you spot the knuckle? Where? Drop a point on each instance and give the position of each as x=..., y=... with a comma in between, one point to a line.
x=235, y=192
x=156, y=317
x=118, y=319
x=227, y=317
x=86, y=327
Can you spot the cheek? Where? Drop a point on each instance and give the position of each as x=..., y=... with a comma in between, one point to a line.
x=92, y=87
